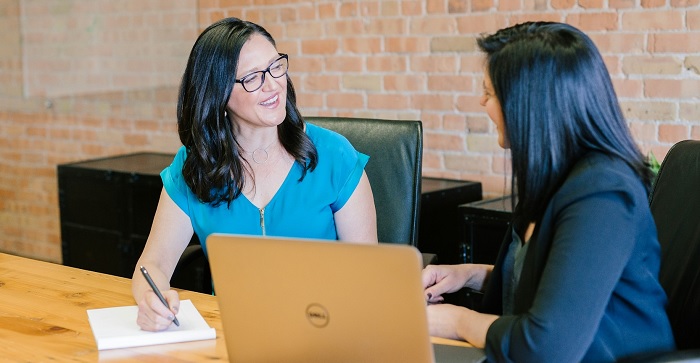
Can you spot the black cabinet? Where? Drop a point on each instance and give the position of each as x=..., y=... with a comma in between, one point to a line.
x=107, y=207
x=485, y=224
x=439, y=229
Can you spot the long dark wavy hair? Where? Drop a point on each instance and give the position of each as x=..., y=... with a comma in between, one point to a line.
x=558, y=103
x=214, y=169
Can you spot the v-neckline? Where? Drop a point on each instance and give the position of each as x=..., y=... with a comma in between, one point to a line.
x=277, y=192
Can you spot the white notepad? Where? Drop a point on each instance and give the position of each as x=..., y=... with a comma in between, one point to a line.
x=116, y=327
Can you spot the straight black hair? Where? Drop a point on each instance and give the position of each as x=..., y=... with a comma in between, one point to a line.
x=558, y=103
x=214, y=168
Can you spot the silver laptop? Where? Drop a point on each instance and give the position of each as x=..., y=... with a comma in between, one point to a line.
x=294, y=300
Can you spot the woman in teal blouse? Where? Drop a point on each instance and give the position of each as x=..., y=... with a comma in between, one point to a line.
x=298, y=209
x=249, y=163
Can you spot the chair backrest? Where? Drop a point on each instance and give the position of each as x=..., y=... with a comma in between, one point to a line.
x=675, y=204
x=395, y=148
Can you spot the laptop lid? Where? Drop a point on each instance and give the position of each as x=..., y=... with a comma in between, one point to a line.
x=294, y=300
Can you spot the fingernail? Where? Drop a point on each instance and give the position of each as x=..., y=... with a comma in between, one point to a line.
x=170, y=317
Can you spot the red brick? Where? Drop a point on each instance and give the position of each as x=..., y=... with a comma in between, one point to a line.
x=681, y=88
x=643, y=131
x=435, y=6
x=432, y=101
x=693, y=18
x=628, y=88
x=674, y=43
x=323, y=46
x=386, y=63
x=446, y=63
x=563, y=4
x=622, y=4
x=684, y=3
x=594, y=22
x=653, y=3
x=444, y=141
x=362, y=45
x=321, y=82
x=450, y=83
x=457, y=6
x=592, y=4
x=405, y=83
x=465, y=163
x=349, y=9
x=388, y=101
x=345, y=100
x=482, y=5
x=431, y=161
x=407, y=44
x=384, y=27
x=673, y=133
x=390, y=8
x=653, y=20
x=411, y=7
x=456, y=122
x=344, y=64
x=342, y=27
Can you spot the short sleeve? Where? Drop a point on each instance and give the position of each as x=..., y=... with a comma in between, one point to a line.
x=337, y=157
x=352, y=181
x=174, y=183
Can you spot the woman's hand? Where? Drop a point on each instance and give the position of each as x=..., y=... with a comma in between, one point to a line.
x=153, y=315
x=440, y=279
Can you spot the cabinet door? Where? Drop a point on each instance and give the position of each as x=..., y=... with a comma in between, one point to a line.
x=483, y=237
x=93, y=249
x=143, y=193
x=107, y=207
x=91, y=198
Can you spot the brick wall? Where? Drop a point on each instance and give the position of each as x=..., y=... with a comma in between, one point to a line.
x=10, y=49
x=418, y=60
x=389, y=59
x=82, y=47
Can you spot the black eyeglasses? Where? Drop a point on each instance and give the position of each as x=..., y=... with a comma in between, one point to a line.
x=253, y=81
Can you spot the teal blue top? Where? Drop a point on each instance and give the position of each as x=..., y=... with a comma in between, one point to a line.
x=299, y=209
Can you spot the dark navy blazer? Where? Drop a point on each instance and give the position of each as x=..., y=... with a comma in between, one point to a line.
x=589, y=288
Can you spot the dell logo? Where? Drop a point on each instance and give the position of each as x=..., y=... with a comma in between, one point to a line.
x=317, y=315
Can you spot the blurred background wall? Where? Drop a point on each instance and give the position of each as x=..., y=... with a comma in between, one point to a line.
x=82, y=79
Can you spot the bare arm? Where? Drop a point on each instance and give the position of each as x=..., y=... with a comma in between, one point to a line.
x=357, y=220
x=456, y=322
x=170, y=233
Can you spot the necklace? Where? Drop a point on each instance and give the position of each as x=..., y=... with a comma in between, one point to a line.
x=260, y=155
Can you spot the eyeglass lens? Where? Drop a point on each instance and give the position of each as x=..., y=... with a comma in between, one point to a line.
x=255, y=80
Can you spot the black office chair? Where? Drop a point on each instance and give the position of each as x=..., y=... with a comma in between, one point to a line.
x=675, y=204
x=192, y=271
x=394, y=171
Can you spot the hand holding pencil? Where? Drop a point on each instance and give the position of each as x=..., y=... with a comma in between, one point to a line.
x=149, y=316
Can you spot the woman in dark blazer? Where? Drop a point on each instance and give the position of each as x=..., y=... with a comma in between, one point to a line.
x=577, y=276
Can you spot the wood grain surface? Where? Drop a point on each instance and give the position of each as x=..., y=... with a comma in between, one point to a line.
x=43, y=317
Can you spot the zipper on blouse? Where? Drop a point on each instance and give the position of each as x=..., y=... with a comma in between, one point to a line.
x=262, y=220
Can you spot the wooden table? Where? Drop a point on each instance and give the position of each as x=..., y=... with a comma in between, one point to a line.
x=43, y=316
